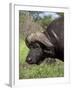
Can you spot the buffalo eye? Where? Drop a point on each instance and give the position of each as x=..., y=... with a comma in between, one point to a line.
x=34, y=45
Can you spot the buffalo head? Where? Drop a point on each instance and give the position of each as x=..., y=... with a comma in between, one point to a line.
x=38, y=43
x=49, y=43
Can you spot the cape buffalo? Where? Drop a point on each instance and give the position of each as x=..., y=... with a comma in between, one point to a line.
x=49, y=43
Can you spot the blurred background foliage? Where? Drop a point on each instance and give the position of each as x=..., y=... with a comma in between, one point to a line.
x=33, y=21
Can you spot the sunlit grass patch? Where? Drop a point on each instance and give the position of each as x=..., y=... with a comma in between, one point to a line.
x=23, y=51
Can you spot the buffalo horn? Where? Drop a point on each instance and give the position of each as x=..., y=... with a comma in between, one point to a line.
x=39, y=36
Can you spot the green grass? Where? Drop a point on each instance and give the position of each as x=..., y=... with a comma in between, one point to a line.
x=44, y=70
x=23, y=51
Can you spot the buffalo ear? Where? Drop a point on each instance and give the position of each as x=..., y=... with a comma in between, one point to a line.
x=50, y=52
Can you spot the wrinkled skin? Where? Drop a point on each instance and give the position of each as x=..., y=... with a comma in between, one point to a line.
x=55, y=34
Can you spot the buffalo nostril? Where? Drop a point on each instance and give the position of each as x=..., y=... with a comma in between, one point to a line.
x=29, y=59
